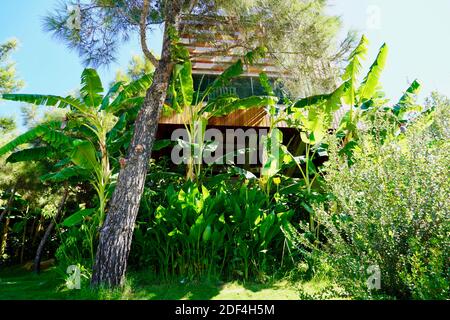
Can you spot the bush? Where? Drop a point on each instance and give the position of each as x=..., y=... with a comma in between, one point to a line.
x=391, y=209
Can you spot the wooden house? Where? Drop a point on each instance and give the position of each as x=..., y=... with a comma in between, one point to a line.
x=212, y=47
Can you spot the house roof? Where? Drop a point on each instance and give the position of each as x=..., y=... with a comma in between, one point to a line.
x=213, y=45
x=216, y=43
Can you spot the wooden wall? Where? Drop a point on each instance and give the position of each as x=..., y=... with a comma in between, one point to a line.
x=256, y=117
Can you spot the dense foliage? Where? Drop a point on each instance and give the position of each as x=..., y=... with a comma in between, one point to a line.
x=391, y=209
x=366, y=190
x=185, y=236
x=8, y=75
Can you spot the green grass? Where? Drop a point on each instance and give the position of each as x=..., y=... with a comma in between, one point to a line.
x=24, y=285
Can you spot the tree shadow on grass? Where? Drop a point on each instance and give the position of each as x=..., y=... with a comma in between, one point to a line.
x=281, y=290
x=148, y=287
x=20, y=284
x=49, y=285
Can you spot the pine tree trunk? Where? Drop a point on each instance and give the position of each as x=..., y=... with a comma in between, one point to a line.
x=8, y=205
x=24, y=236
x=48, y=232
x=117, y=232
x=4, y=237
x=6, y=211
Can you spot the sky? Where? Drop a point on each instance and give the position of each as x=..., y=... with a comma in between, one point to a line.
x=416, y=31
x=44, y=63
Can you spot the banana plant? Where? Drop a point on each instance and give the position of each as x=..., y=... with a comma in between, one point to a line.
x=407, y=103
x=201, y=108
x=81, y=142
x=313, y=116
x=316, y=113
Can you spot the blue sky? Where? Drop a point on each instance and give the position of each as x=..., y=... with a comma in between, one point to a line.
x=416, y=31
x=44, y=63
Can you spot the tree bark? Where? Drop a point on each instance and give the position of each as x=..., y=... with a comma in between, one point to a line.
x=48, y=232
x=6, y=211
x=117, y=231
x=24, y=235
x=8, y=205
x=4, y=237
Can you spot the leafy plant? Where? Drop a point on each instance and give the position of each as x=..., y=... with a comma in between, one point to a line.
x=391, y=209
x=227, y=231
x=201, y=108
x=82, y=142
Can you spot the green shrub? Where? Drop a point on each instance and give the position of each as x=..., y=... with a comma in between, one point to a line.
x=391, y=209
x=229, y=231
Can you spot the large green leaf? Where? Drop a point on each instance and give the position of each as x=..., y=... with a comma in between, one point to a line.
x=182, y=86
x=126, y=105
x=185, y=83
x=408, y=100
x=47, y=100
x=265, y=83
x=314, y=123
x=84, y=154
x=66, y=173
x=111, y=93
x=161, y=144
x=132, y=94
x=370, y=83
x=91, y=88
x=32, y=154
x=139, y=86
x=410, y=94
x=356, y=57
x=218, y=103
x=246, y=103
x=353, y=69
x=265, y=227
x=77, y=217
x=56, y=138
x=46, y=132
x=197, y=228
x=311, y=101
x=334, y=101
x=23, y=138
x=235, y=70
x=275, y=153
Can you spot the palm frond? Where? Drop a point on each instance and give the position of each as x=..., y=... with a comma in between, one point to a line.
x=47, y=132
x=46, y=100
x=354, y=68
x=67, y=173
x=235, y=70
x=113, y=91
x=91, y=88
x=133, y=90
x=371, y=81
x=246, y=103
x=31, y=154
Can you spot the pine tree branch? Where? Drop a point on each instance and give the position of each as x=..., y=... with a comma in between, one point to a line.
x=143, y=33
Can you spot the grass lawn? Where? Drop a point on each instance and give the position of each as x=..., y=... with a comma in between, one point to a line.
x=24, y=285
